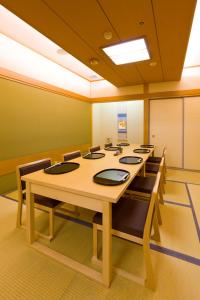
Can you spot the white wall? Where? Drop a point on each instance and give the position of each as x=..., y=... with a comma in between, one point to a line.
x=104, y=121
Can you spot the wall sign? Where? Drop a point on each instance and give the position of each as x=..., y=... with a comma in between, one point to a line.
x=122, y=126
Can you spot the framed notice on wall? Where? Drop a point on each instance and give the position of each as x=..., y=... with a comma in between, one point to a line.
x=122, y=126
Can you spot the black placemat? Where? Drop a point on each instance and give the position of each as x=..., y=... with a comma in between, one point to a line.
x=112, y=148
x=131, y=160
x=111, y=176
x=61, y=168
x=141, y=150
x=147, y=146
x=94, y=155
x=123, y=144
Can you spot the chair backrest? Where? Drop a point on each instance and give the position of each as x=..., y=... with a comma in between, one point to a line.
x=95, y=148
x=71, y=155
x=108, y=145
x=151, y=210
x=30, y=168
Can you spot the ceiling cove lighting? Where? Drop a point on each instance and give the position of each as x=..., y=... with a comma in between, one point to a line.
x=18, y=30
x=128, y=52
x=22, y=60
x=193, y=51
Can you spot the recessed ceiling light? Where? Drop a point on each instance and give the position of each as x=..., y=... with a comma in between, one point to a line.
x=128, y=52
x=153, y=63
x=141, y=23
x=94, y=61
x=107, y=35
x=61, y=51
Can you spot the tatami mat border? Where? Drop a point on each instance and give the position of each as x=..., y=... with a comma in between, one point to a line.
x=177, y=203
x=75, y=220
x=191, y=259
x=193, y=212
x=178, y=181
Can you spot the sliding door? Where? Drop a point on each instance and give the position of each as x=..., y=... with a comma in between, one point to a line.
x=166, y=129
x=192, y=133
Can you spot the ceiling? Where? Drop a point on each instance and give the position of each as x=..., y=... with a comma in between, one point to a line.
x=78, y=26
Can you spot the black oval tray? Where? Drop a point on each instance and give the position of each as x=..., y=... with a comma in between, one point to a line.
x=141, y=150
x=111, y=176
x=94, y=155
x=112, y=148
x=147, y=146
x=62, y=168
x=123, y=144
x=131, y=160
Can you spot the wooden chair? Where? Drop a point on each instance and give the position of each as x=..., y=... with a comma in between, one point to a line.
x=71, y=155
x=143, y=188
x=94, y=148
x=152, y=169
x=108, y=145
x=133, y=220
x=47, y=204
x=157, y=160
x=66, y=157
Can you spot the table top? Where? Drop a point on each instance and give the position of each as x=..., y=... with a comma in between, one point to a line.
x=80, y=181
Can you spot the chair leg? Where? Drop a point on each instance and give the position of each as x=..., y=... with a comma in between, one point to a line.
x=19, y=213
x=158, y=214
x=51, y=224
x=156, y=235
x=160, y=195
x=95, y=241
x=162, y=184
x=149, y=280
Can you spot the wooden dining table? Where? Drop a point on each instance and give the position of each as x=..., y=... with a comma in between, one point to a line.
x=78, y=188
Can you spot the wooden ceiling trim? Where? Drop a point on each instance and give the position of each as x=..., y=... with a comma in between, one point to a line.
x=10, y=75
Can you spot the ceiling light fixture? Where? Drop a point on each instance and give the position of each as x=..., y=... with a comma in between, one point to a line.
x=108, y=35
x=153, y=63
x=94, y=61
x=128, y=52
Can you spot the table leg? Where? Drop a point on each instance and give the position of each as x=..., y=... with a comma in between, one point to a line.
x=107, y=243
x=29, y=214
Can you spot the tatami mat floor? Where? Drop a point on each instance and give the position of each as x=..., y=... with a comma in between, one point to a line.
x=27, y=274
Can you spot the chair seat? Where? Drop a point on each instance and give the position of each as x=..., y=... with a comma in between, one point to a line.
x=128, y=216
x=45, y=201
x=150, y=168
x=142, y=184
x=154, y=159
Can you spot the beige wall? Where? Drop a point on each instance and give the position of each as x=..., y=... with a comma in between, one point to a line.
x=34, y=121
x=104, y=123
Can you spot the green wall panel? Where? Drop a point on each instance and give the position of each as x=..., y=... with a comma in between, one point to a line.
x=33, y=120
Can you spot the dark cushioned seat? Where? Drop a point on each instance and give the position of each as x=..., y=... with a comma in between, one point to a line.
x=152, y=168
x=142, y=184
x=154, y=159
x=128, y=216
x=51, y=203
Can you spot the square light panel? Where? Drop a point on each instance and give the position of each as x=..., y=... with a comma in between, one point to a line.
x=128, y=52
